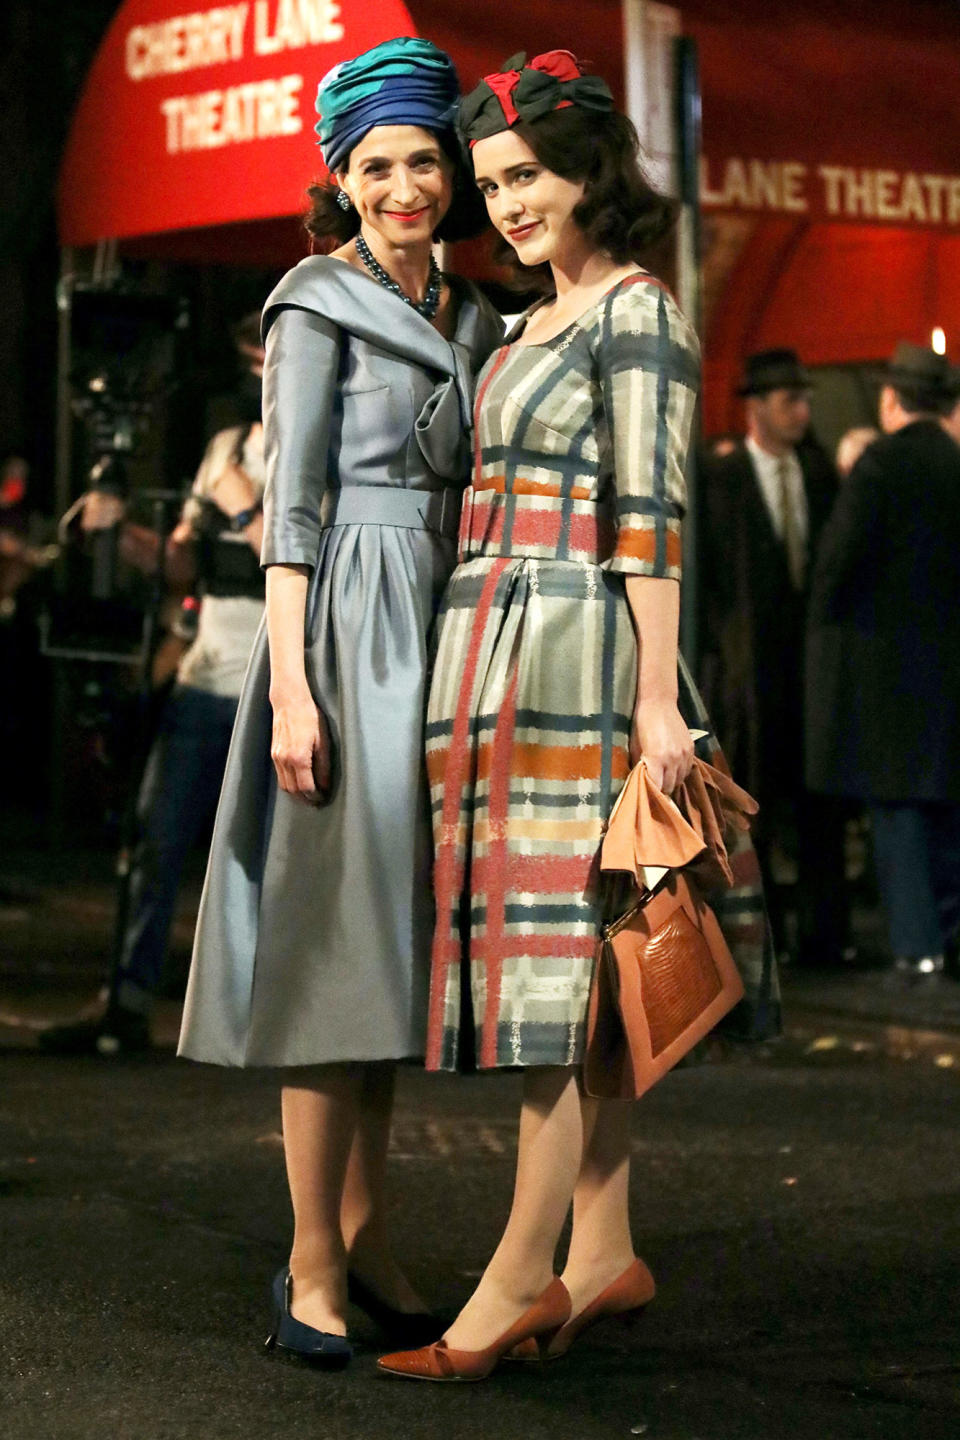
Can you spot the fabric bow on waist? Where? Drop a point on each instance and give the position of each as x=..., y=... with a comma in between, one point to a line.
x=444, y=424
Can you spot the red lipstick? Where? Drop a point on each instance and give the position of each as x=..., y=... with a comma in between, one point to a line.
x=406, y=217
x=522, y=231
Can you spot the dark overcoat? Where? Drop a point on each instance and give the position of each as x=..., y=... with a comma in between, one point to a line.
x=883, y=652
x=752, y=619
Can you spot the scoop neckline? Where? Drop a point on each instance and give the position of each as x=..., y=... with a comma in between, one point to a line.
x=542, y=344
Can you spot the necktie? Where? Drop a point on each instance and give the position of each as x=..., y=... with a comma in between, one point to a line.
x=793, y=542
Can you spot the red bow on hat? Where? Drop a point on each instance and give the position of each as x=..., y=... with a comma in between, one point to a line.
x=561, y=64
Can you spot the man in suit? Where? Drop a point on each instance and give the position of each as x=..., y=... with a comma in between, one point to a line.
x=763, y=508
x=883, y=666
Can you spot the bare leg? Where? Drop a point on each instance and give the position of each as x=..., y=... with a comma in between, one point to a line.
x=600, y=1243
x=548, y=1162
x=363, y=1208
x=320, y=1115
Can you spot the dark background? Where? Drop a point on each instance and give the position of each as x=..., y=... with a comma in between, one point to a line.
x=46, y=48
x=64, y=735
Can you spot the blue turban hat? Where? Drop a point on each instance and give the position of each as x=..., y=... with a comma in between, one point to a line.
x=401, y=82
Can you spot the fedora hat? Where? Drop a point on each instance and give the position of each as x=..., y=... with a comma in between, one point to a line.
x=773, y=370
x=917, y=368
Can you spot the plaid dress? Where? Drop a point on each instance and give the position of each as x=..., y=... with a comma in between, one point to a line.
x=578, y=481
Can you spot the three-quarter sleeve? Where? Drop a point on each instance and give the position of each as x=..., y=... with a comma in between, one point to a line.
x=649, y=364
x=299, y=390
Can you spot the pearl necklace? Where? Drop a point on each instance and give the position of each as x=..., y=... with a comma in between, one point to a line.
x=427, y=307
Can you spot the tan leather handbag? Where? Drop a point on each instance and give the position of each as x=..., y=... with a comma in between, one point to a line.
x=664, y=975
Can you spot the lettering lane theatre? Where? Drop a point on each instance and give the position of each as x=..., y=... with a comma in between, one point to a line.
x=831, y=184
x=253, y=110
x=831, y=191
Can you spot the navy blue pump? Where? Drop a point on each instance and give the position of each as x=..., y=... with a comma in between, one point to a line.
x=293, y=1337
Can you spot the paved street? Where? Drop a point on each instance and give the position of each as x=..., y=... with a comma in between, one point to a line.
x=799, y=1208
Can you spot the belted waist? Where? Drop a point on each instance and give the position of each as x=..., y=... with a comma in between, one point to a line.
x=528, y=523
x=437, y=510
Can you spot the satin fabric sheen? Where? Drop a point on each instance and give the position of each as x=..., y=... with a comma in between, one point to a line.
x=314, y=932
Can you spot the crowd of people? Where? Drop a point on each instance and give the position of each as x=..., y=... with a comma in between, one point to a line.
x=832, y=650
x=537, y=659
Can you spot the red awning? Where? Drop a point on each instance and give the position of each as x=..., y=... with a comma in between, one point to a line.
x=834, y=111
x=194, y=140
x=205, y=118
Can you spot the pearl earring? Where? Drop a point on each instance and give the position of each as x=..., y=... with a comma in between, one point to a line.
x=343, y=200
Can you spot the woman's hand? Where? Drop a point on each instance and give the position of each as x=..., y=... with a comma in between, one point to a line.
x=301, y=746
x=660, y=737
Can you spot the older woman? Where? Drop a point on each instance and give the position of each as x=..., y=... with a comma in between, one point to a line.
x=312, y=951
x=557, y=668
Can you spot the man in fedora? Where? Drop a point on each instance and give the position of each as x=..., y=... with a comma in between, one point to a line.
x=883, y=666
x=763, y=508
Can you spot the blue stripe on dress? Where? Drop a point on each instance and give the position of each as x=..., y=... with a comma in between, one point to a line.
x=660, y=443
x=543, y=913
x=644, y=505
x=569, y=467
x=631, y=350
x=611, y=601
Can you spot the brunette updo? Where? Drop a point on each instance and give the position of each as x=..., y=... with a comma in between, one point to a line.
x=620, y=213
x=327, y=222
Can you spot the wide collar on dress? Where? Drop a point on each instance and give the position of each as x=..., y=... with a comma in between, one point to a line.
x=363, y=308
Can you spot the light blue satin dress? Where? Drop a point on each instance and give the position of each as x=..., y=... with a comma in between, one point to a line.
x=313, y=939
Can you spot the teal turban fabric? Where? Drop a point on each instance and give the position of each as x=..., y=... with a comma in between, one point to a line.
x=400, y=82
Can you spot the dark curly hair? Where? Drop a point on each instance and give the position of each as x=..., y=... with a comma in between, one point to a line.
x=467, y=215
x=620, y=211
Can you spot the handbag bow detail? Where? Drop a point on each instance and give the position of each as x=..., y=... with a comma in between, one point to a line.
x=664, y=975
x=649, y=828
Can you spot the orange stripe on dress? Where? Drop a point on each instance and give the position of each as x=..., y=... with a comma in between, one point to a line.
x=523, y=486
x=636, y=544
x=551, y=762
x=437, y=764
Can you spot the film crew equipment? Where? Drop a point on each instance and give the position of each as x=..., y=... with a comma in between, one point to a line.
x=119, y=379
x=108, y=478
x=123, y=361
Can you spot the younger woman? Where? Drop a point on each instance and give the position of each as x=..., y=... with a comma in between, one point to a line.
x=557, y=669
